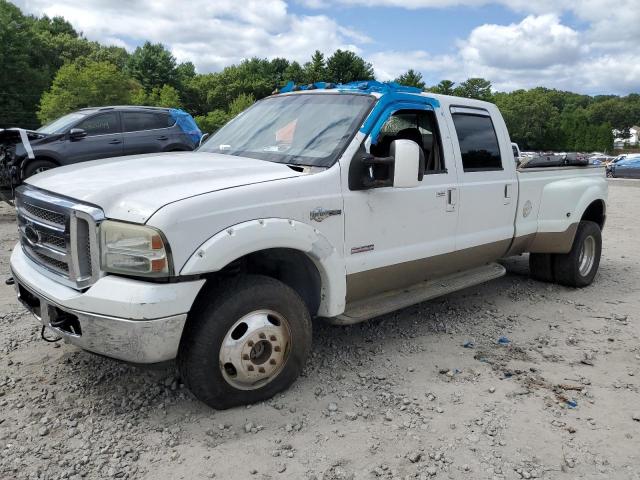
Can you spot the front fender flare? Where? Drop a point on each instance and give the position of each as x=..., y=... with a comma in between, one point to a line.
x=255, y=235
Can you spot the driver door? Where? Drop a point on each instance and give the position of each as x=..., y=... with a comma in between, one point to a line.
x=396, y=237
x=103, y=139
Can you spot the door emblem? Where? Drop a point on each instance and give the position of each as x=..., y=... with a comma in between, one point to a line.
x=362, y=249
x=319, y=214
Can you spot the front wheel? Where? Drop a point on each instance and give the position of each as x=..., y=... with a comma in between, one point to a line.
x=244, y=342
x=578, y=268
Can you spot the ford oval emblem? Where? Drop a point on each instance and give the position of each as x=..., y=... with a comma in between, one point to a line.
x=32, y=234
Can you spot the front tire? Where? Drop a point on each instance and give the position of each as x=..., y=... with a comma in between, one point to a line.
x=578, y=268
x=244, y=341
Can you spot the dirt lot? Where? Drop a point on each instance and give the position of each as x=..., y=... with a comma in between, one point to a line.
x=398, y=397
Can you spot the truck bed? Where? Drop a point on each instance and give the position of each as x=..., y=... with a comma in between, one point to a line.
x=550, y=200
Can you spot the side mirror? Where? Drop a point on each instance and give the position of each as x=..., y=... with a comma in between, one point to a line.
x=77, y=133
x=406, y=172
x=403, y=168
x=202, y=138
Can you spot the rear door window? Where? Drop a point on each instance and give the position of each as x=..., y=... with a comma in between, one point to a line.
x=138, y=121
x=101, y=124
x=478, y=142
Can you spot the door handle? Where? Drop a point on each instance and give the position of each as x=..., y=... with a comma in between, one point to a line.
x=507, y=194
x=452, y=199
x=115, y=141
x=162, y=137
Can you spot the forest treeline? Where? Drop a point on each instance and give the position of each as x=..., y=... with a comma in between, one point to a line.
x=50, y=69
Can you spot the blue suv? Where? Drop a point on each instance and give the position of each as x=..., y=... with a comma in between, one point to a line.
x=102, y=132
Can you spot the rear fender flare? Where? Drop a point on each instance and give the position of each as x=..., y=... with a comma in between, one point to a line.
x=563, y=205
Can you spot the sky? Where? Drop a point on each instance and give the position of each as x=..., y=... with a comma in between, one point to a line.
x=585, y=46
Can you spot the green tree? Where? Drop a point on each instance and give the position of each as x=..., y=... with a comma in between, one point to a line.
x=532, y=119
x=85, y=84
x=295, y=73
x=153, y=66
x=212, y=121
x=116, y=55
x=445, y=87
x=316, y=69
x=345, y=66
x=165, y=96
x=22, y=79
x=411, y=78
x=240, y=104
x=477, y=88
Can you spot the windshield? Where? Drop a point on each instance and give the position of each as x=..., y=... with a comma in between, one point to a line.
x=301, y=129
x=62, y=124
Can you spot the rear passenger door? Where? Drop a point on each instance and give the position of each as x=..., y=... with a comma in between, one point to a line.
x=103, y=139
x=488, y=194
x=145, y=132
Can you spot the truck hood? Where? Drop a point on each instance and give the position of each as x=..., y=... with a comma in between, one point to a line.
x=133, y=188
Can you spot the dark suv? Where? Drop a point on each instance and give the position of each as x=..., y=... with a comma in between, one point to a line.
x=102, y=132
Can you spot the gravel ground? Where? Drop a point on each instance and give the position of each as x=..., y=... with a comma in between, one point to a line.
x=399, y=397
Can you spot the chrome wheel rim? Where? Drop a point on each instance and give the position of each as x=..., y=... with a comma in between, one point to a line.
x=587, y=256
x=255, y=349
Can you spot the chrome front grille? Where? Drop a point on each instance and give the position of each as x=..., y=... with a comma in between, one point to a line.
x=60, y=235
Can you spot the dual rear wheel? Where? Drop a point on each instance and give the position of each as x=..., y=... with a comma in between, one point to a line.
x=577, y=268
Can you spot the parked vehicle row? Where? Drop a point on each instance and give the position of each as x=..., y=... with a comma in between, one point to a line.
x=624, y=166
x=331, y=202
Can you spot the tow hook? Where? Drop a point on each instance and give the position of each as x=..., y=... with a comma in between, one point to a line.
x=47, y=339
x=10, y=281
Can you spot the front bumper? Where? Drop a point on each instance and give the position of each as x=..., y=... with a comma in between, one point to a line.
x=127, y=319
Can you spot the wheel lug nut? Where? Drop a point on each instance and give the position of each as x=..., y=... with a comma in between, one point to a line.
x=272, y=338
x=272, y=361
x=250, y=343
x=245, y=357
x=262, y=336
x=276, y=348
x=250, y=368
x=261, y=369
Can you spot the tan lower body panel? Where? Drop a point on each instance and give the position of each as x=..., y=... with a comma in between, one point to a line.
x=544, y=242
x=393, y=300
x=372, y=282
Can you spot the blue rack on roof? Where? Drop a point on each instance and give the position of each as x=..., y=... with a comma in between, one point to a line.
x=365, y=86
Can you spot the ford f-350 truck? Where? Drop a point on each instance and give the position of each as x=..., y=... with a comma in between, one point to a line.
x=323, y=202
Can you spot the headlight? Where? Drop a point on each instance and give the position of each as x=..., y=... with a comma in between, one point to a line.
x=133, y=250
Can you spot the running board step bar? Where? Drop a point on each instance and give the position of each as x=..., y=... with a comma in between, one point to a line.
x=396, y=299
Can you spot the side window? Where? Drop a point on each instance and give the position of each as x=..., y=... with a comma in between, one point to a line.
x=419, y=126
x=478, y=142
x=137, y=121
x=101, y=124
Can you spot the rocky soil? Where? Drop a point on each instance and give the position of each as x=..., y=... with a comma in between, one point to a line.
x=432, y=391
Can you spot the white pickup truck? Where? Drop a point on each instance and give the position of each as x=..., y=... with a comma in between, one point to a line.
x=331, y=202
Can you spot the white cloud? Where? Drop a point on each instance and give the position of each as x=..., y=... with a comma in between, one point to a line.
x=599, y=56
x=538, y=51
x=535, y=42
x=211, y=34
x=391, y=64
